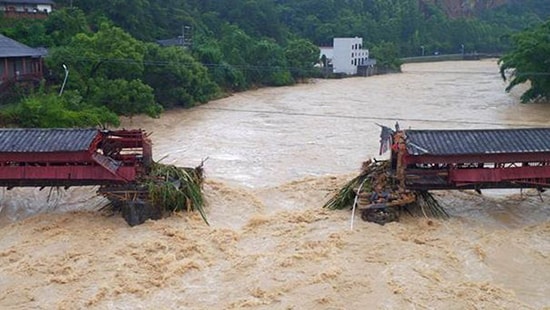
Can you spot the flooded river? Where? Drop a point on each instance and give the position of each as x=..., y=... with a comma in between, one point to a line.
x=273, y=158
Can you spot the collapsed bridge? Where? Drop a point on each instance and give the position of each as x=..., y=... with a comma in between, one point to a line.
x=32, y=157
x=120, y=162
x=427, y=160
x=471, y=159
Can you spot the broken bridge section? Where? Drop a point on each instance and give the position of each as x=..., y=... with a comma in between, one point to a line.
x=471, y=159
x=32, y=157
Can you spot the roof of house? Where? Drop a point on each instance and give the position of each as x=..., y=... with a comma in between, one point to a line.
x=178, y=41
x=12, y=48
x=477, y=141
x=27, y=1
x=24, y=140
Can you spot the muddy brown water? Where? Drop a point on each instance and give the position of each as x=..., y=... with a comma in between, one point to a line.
x=273, y=158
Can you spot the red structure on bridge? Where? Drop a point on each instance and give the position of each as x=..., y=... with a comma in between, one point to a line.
x=470, y=159
x=72, y=157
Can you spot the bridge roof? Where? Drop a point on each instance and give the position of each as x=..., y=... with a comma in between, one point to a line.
x=478, y=141
x=29, y=140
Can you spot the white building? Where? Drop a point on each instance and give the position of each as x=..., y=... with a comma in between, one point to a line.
x=346, y=54
x=26, y=6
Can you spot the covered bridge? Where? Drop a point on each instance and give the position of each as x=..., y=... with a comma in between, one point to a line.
x=474, y=159
x=71, y=157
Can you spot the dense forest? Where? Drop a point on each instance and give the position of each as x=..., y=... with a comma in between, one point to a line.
x=117, y=68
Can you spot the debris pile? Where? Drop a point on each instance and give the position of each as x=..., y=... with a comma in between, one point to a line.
x=380, y=198
x=163, y=190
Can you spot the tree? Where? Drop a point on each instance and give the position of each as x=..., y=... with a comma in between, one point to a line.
x=222, y=73
x=386, y=55
x=236, y=45
x=267, y=64
x=51, y=111
x=109, y=53
x=301, y=56
x=528, y=62
x=29, y=32
x=176, y=77
x=62, y=25
x=106, y=68
x=124, y=97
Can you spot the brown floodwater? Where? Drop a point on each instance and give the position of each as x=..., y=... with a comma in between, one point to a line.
x=273, y=157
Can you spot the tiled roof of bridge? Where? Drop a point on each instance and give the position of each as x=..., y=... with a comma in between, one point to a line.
x=478, y=141
x=23, y=140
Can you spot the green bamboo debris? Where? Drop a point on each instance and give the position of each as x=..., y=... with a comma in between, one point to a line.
x=426, y=205
x=161, y=189
x=376, y=174
x=371, y=173
x=345, y=196
x=175, y=188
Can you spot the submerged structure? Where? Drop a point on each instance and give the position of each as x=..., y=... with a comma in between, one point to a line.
x=120, y=162
x=426, y=160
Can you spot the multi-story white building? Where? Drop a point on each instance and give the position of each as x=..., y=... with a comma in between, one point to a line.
x=346, y=55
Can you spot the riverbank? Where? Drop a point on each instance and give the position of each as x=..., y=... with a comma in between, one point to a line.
x=275, y=156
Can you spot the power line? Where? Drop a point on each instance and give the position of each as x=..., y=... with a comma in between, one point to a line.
x=370, y=118
x=273, y=68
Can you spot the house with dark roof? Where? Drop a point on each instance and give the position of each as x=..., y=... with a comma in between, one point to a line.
x=185, y=40
x=19, y=63
x=26, y=8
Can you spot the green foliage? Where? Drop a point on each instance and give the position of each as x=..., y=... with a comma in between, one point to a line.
x=62, y=25
x=177, y=78
x=528, y=62
x=109, y=53
x=261, y=62
x=267, y=64
x=176, y=188
x=143, y=19
x=302, y=55
x=238, y=44
x=222, y=73
x=106, y=68
x=407, y=23
x=124, y=97
x=386, y=55
x=53, y=111
x=28, y=32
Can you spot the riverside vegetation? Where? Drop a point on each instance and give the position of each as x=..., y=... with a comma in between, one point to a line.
x=116, y=67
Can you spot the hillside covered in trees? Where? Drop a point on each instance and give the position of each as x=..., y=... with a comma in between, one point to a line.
x=436, y=24
x=118, y=68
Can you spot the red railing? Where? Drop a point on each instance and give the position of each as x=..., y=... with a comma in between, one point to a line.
x=113, y=157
